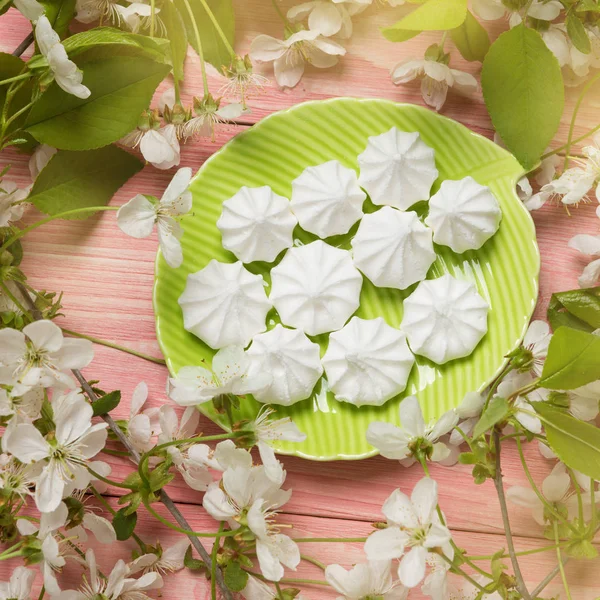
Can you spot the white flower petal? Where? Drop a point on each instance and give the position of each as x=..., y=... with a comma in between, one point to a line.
x=386, y=544
x=412, y=567
x=136, y=218
x=102, y=529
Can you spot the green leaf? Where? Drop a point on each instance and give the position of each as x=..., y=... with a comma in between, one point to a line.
x=496, y=412
x=577, y=33
x=235, y=577
x=471, y=39
x=177, y=36
x=434, y=15
x=523, y=91
x=194, y=564
x=588, y=6
x=74, y=180
x=575, y=442
x=581, y=549
x=573, y=360
x=121, y=90
x=4, y=6
x=124, y=524
x=579, y=309
x=214, y=50
x=106, y=403
x=60, y=13
x=11, y=66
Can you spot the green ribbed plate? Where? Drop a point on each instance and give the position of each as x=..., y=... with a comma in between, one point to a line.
x=274, y=152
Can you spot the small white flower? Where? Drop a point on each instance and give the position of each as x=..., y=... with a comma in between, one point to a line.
x=572, y=187
x=160, y=147
x=195, y=385
x=290, y=55
x=461, y=589
x=248, y=491
x=30, y=9
x=413, y=525
x=468, y=412
x=142, y=425
x=436, y=584
x=436, y=79
x=39, y=356
x=39, y=159
x=89, y=11
x=525, y=413
x=327, y=17
x=171, y=429
x=19, y=586
x=137, y=16
x=537, y=339
x=26, y=406
x=66, y=73
x=15, y=477
x=583, y=401
x=11, y=202
x=165, y=561
x=64, y=460
x=209, y=113
x=399, y=442
x=138, y=216
x=490, y=10
x=241, y=80
x=267, y=432
x=118, y=585
x=365, y=580
x=590, y=246
x=556, y=490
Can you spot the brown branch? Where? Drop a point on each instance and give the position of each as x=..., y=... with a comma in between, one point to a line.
x=24, y=45
x=164, y=497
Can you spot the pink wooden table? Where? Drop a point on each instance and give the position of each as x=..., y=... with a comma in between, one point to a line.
x=107, y=282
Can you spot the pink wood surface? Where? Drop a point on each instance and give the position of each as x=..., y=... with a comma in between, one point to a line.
x=107, y=282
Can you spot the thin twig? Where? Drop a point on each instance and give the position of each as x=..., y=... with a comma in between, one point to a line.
x=164, y=497
x=24, y=45
x=504, y=510
x=540, y=588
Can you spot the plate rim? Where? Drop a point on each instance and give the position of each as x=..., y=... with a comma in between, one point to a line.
x=514, y=179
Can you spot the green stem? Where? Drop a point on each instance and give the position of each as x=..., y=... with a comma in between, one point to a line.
x=95, y=340
x=152, y=16
x=521, y=553
x=495, y=385
x=585, y=90
x=63, y=215
x=575, y=141
x=199, y=44
x=280, y=13
x=42, y=593
x=332, y=539
x=540, y=496
x=222, y=35
x=278, y=588
x=12, y=549
x=313, y=561
x=16, y=78
x=560, y=563
x=109, y=481
x=443, y=40
x=578, y=492
x=16, y=115
x=12, y=555
x=462, y=573
x=593, y=503
x=213, y=561
x=186, y=531
x=15, y=300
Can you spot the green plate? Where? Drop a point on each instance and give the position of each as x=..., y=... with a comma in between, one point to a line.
x=276, y=151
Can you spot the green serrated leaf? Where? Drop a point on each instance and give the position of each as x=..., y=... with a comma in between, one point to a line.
x=524, y=92
x=177, y=35
x=121, y=90
x=73, y=180
x=471, y=39
x=579, y=309
x=215, y=51
x=11, y=66
x=577, y=33
x=575, y=442
x=124, y=524
x=194, y=564
x=573, y=360
x=235, y=577
x=60, y=13
x=106, y=403
x=434, y=15
x=496, y=412
x=588, y=6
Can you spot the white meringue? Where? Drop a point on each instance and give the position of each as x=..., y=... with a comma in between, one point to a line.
x=327, y=199
x=397, y=168
x=444, y=319
x=393, y=248
x=367, y=362
x=315, y=288
x=224, y=304
x=256, y=224
x=292, y=361
x=463, y=214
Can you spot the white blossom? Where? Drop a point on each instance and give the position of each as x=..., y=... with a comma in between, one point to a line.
x=590, y=246
x=209, y=113
x=165, y=561
x=66, y=73
x=399, y=442
x=525, y=413
x=328, y=17
x=436, y=584
x=137, y=16
x=15, y=477
x=19, y=586
x=11, y=202
x=289, y=56
x=143, y=425
x=436, y=78
x=39, y=159
x=414, y=528
x=27, y=406
x=365, y=580
x=490, y=10
x=40, y=356
x=536, y=340
x=30, y=9
x=229, y=375
x=89, y=11
x=64, y=459
x=101, y=528
x=138, y=216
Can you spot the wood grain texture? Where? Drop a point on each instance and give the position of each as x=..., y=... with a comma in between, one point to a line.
x=107, y=282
